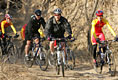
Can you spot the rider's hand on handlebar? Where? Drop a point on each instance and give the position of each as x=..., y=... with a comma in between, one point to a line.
x=116, y=38
x=43, y=38
x=97, y=40
x=49, y=38
x=4, y=35
x=16, y=35
x=69, y=37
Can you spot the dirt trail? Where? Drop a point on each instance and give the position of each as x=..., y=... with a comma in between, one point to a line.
x=81, y=72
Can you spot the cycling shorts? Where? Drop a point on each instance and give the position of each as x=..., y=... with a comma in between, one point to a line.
x=100, y=36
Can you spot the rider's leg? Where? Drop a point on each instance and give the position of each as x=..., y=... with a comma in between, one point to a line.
x=36, y=40
x=4, y=41
x=51, y=47
x=94, y=48
x=27, y=46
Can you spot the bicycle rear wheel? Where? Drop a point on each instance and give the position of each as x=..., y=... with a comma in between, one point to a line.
x=99, y=66
x=12, y=53
x=112, y=65
x=42, y=59
x=8, y=58
x=70, y=59
x=1, y=53
x=29, y=62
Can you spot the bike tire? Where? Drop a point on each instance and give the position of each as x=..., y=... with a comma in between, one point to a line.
x=29, y=63
x=62, y=66
x=43, y=63
x=12, y=53
x=1, y=53
x=112, y=65
x=99, y=66
x=71, y=60
x=58, y=69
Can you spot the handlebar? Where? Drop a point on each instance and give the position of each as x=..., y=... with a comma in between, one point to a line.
x=106, y=42
x=63, y=39
x=10, y=37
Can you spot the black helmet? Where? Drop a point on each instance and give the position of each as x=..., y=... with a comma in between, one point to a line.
x=57, y=11
x=38, y=12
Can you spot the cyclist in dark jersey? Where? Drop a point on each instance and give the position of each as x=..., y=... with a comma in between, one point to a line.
x=56, y=27
x=31, y=30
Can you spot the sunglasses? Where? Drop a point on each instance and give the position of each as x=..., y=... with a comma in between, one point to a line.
x=57, y=14
x=99, y=12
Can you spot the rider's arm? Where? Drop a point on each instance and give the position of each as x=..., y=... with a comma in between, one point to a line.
x=68, y=27
x=93, y=29
x=2, y=26
x=43, y=23
x=110, y=28
x=48, y=28
x=29, y=27
x=13, y=28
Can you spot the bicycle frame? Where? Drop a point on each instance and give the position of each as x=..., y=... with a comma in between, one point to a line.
x=107, y=57
x=60, y=52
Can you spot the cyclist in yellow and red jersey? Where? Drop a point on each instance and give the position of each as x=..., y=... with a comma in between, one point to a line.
x=6, y=22
x=97, y=33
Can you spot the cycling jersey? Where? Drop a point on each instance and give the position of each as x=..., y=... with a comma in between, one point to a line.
x=33, y=26
x=23, y=32
x=4, y=24
x=96, y=30
x=57, y=30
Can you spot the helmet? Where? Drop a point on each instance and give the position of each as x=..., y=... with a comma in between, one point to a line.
x=99, y=13
x=38, y=12
x=8, y=16
x=57, y=11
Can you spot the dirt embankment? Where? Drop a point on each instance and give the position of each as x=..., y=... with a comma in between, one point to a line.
x=74, y=11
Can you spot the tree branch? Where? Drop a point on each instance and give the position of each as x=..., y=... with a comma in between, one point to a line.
x=95, y=7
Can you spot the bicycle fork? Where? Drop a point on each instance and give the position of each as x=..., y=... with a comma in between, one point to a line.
x=60, y=55
x=109, y=52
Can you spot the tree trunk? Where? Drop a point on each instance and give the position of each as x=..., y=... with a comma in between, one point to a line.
x=8, y=5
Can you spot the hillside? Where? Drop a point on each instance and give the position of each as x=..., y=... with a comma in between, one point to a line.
x=78, y=12
x=73, y=10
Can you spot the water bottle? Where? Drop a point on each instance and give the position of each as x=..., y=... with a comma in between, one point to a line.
x=33, y=53
x=58, y=57
x=102, y=55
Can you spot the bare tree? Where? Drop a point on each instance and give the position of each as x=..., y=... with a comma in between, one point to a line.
x=8, y=6
x=89, y=20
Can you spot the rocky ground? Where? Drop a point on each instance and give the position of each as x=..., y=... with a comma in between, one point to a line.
x=81, y=72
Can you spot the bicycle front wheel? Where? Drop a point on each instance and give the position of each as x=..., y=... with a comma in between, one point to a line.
x=12, y=53
x=70, y=59
x=98, y=66
x=29, y=62
x=112, y=65
x=42, y=59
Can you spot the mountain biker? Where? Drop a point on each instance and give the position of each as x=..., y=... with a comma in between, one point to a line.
x=6, y=22
x=56, y=27
x=31, y=30
x=97, y=33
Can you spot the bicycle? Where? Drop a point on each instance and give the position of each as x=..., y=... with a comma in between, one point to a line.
x=58, y=59
x=8, y=52
x=106, y=58
x=38, y=55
